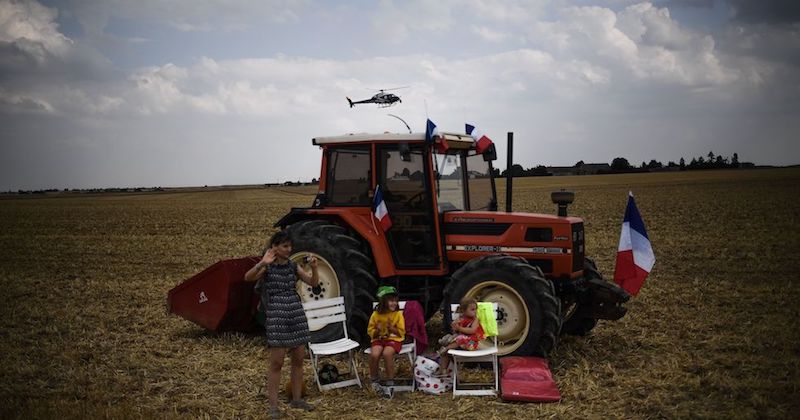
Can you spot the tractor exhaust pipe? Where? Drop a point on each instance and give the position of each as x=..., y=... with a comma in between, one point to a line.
x=509, y=165
x=563, y=199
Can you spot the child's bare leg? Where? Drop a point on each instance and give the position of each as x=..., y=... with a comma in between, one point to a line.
x=388, y=358
x=276, y=356
x=445, y=357
x=374, y=358
x=298, y=354
x=445, y=363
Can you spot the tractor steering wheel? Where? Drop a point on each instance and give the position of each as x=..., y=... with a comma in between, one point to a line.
x=419, y=197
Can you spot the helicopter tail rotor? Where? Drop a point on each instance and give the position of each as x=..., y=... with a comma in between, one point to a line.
x=350, y=101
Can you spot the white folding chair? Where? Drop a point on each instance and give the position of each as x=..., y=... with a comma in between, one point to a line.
x=408, y=349
x=484, y=353
x=319, y=314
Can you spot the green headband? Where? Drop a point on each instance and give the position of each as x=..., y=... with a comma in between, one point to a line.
x=386, y=290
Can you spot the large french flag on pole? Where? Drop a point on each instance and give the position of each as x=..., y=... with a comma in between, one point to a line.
x=635, y=256
x=481, y=141
x=380, y=211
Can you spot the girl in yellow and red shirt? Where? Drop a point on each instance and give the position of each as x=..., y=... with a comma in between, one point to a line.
x=387, y=330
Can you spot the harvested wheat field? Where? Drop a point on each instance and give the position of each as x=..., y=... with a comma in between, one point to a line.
x=714, y=332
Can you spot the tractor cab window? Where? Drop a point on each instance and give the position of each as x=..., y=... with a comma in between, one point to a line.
x=349, y=176
x=464, y=182
x=481, y=187
x=449, y=181
x=405, y=178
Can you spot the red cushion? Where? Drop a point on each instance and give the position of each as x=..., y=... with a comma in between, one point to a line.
x=527, y=379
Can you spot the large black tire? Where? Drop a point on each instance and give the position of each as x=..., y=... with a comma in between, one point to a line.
x=529, y=312
x=345, y=269
x=573, y=323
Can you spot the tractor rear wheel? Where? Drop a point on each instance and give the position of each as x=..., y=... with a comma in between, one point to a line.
x=573, y=323
x=344, y=269
x=528, y=310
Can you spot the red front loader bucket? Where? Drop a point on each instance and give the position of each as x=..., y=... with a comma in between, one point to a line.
x=217, y=299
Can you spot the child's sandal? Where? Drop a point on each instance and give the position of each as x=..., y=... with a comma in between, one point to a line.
x=275, y=413
x=301, y=404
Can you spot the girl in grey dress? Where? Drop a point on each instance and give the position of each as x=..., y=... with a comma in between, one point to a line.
x=286, y=324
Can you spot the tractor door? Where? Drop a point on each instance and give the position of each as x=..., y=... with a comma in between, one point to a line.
x=405, y=182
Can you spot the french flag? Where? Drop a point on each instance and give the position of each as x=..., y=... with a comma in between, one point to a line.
x=481, y=141
x=635, y=256
x=430, y=131
x=432, y=136
x=380, y=211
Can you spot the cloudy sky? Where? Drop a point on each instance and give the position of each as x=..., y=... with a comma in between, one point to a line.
x=122, y=93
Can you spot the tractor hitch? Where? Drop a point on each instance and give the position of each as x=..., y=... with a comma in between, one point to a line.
x=597, y=298
x=607, y=299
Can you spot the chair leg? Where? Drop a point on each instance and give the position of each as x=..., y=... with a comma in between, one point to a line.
x=353, y=367
x=316, y=370
x=411, y=369
x=455, y=375
x=496, y=373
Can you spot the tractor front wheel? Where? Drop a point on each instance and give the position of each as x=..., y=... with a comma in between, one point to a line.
x=344, y=269
x=528, y=319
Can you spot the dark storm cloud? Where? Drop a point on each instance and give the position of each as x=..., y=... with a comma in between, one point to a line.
x=14, y=60
x=24, y=63
x=766, y=11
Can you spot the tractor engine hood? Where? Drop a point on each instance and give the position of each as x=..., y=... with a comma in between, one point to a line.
x=476, y=217
x=555, y=244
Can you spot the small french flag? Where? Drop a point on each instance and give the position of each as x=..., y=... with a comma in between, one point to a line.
x=432, y=136
x=430, y=131
x=635, y=258
x=380, y=211
x=481, y=141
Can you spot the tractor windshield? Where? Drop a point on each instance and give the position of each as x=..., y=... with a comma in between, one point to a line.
x=463, y=181
x=449, y=181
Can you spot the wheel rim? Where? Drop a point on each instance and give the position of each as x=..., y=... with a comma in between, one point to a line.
x=328, y=286
x=513, y=319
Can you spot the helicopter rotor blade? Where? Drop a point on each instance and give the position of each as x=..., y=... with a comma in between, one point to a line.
x=384, y=89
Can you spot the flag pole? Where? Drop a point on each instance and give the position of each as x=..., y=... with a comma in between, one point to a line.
x=372, y=211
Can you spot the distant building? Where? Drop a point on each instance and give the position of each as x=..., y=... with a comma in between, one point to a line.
x=583, y=169
x=592, y=168
x=561, y=170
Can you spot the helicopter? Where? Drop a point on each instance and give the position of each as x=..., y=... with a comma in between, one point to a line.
x=381, y=98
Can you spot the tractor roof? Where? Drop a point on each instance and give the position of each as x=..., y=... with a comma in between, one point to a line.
x=460, y=141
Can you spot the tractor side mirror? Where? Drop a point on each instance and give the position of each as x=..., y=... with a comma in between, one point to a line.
x=490, y=154
x=405, y=152
x=319, y=201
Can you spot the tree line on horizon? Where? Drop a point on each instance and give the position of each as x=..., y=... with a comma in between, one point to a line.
x=622, y=165
x=618, y=165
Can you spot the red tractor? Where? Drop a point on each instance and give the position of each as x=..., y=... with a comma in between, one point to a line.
x=448, y=240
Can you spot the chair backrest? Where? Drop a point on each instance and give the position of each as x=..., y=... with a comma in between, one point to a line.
x=320, y=313
x=455, y=314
